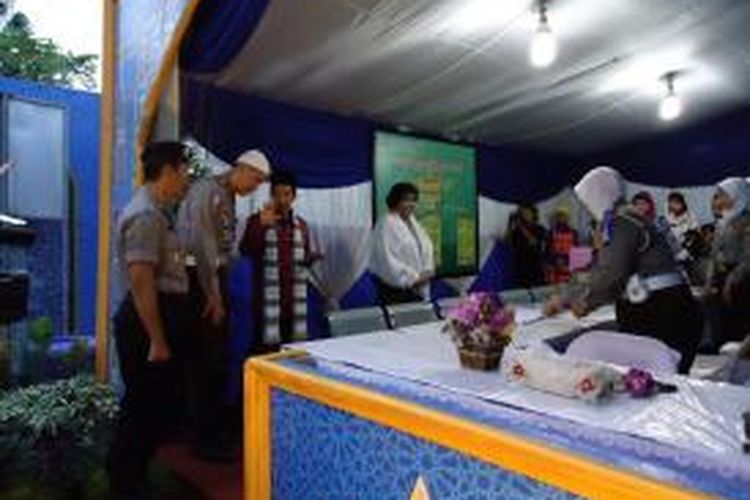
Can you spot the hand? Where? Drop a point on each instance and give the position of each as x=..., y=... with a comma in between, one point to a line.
x=579, y=309
x=553, y=306
x=214, y=309
x=423, y=278
x=159, y=352
x=268, y=215
x=314, y=257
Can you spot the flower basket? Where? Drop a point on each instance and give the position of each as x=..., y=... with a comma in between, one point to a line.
x=480, y=360
x=481, y=326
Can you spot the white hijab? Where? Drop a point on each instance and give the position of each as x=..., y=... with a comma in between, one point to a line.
x=738, y=190
x=600, y=190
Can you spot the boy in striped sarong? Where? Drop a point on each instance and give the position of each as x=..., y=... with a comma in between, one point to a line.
x=279, y=246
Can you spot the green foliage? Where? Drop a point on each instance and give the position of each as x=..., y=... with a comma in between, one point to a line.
x=76, y=360
x=24, y=56
x=41, y=331
x=53, y=435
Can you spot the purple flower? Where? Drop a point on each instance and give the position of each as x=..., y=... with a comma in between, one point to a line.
x=639, y=383
x=482, y=321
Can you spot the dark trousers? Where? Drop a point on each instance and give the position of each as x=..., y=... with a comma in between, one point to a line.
x=728, y=321
x=673, y=316
x=152, y=406
x=389, y=295
x=207, y=367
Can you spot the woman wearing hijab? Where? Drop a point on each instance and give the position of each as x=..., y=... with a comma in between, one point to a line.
x=729, y=272
x=402, y=253
x=645, y=205
x=637, y=270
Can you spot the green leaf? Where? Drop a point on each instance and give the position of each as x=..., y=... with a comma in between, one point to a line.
x=22, y=55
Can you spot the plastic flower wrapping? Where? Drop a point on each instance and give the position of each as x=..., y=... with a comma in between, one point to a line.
x=481, y=322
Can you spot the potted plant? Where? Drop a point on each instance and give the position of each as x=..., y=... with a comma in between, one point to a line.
x=481, y=326
x=53, y=436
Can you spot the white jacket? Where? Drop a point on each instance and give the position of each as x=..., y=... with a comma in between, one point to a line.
x=681, y=224
x=400, y=254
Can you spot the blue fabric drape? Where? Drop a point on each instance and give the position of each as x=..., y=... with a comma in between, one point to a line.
x=322, y=149
x=361, y=294
x=439, y=289
x=495, y=275
x=518, y=176
x=327, y=150
x=697, y=155
x=219, y=30
x=241, y=324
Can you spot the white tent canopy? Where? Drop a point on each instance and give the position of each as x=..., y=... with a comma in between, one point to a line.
x=460, y=68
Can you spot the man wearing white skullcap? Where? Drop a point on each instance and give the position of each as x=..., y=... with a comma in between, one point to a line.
x=636, y=269
x=206, y=225
x=729, y=272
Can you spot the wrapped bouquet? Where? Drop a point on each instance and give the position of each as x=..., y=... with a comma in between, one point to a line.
x=481, y=326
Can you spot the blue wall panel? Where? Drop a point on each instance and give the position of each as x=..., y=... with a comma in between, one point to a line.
x=82, y=121
x=322, y=453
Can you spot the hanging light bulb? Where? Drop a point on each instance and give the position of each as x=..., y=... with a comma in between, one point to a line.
x=543, y=50
x=670, y=107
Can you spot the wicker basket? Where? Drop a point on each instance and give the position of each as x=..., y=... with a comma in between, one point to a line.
x=484, y=360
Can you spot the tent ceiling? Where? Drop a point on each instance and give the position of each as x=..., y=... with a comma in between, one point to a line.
x=459, y=68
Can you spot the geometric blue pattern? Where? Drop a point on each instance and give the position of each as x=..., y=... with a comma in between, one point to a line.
x=694, y=470
x=322, y=453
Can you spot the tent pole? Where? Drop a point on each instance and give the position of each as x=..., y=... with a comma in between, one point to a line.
x=162, y=80
x=105, y=189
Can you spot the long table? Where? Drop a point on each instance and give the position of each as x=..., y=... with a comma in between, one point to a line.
x=366, y=416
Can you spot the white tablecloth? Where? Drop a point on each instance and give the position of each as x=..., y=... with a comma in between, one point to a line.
x=701, y=416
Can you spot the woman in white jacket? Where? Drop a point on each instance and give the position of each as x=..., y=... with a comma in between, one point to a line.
x=402, y=253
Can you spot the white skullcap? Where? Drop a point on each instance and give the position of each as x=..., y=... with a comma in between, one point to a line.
x=255, y=159
x=600, y=190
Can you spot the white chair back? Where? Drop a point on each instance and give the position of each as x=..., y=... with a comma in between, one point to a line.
x=621, y=349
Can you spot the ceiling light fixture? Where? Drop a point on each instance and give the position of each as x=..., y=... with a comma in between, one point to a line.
x=543, y=50
x=670, y=107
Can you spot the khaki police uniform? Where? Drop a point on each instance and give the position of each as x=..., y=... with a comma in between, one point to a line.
x=206, y=225
x=153, y=399
x=730, y=270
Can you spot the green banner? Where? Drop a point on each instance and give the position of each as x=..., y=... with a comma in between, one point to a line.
x=446, y=177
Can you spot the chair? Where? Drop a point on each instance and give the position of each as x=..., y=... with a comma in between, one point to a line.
x=626, y=350
x=445, y=305
x=417, y=313
x=517, y=296
x=356, y=321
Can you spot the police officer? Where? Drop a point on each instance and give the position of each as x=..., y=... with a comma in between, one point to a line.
x=150, y=319
x=637, y=270
x=729, y=269
x=207, y=223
